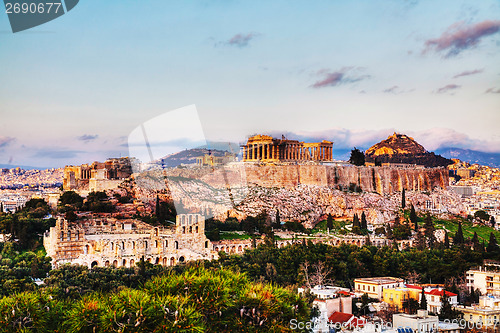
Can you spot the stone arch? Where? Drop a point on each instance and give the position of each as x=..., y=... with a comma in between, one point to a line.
x=68, y=237
x=165, y=261
x=77, y=235
x=181, y=259
x=86, y=249
x=133, y=245
x=106, y=264
x=156, y=243
x=196, y=229
x=124, y=263
x=112, y=246
x=157, y=261
x=206, y=244
x=240, y=248
x=115, y=263
x=156, y=232
x=132, y=262
x=145, y=244
x=176, y=245
x=183, y=230
x=172, y=261
x=94, y=264
x=166, y=243
x=233, y=249
x=149, y=260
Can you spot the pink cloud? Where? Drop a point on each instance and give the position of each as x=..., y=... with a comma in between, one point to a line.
x=335, y=78
x=459, y=37
x=467, y=73
x=447, y=88
x=241, y=40
x=493, y=91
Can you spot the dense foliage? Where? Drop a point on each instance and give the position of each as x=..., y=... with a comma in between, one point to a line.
x=195, y=300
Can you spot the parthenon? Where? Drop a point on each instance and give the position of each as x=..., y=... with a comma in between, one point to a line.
x=268, y=149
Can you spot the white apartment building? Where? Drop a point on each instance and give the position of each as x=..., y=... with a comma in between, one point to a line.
x=486, y=278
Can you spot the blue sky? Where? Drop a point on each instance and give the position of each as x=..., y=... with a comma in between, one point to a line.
x=349, y=71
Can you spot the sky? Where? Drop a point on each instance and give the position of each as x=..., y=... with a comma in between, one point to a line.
x=353, y=72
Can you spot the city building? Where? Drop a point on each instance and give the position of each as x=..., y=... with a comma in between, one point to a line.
x=268, y=149
x=374, y=287
x=396, y=297
x=421, y=322
x=486, y=312
x=485, y=278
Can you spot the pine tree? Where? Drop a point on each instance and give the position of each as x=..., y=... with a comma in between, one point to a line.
x=423, y=300
x=446, y=240
x=403, y=199
x=492, y=245
x=429, y=231
x=1, y=207
x=475, y=242
x=278, y=220
x=459, y=235
x=157, y=208
x=355, y=221
x=492, y=221
x=413, y=217
x=420, y=241
x=329, y=222
x=356, y=228
x=364, y=223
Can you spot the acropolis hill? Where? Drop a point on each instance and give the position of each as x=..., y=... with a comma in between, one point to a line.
x=383, y=180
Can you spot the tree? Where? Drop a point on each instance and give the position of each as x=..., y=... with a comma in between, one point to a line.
x=492, y=247
x=413, y=217
x=458, y=238
x=356, y=227
x=423, y=300
x=475, y=242
x=492, y=221
x=157, y=208
x=364, y=223
x=357, y=157
x=429, y=231
x=446, y=311
x=403, y=199
x=277, y=222
x=482, y=215
x=329, y=222
x=446, y=240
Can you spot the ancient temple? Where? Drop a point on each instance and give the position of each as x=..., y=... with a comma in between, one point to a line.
x=268, y=149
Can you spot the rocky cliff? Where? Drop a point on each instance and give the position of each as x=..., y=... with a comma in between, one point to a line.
x=381, y=180
x=301, y=192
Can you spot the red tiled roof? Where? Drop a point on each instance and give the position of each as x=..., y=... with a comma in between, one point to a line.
x=412, y=286
x=438, y=292
x=340, y=317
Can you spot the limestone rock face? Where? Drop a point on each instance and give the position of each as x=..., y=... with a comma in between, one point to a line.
x=305, y=193
x=399, y=148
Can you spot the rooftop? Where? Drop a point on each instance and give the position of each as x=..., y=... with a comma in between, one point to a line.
x=379, y=280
